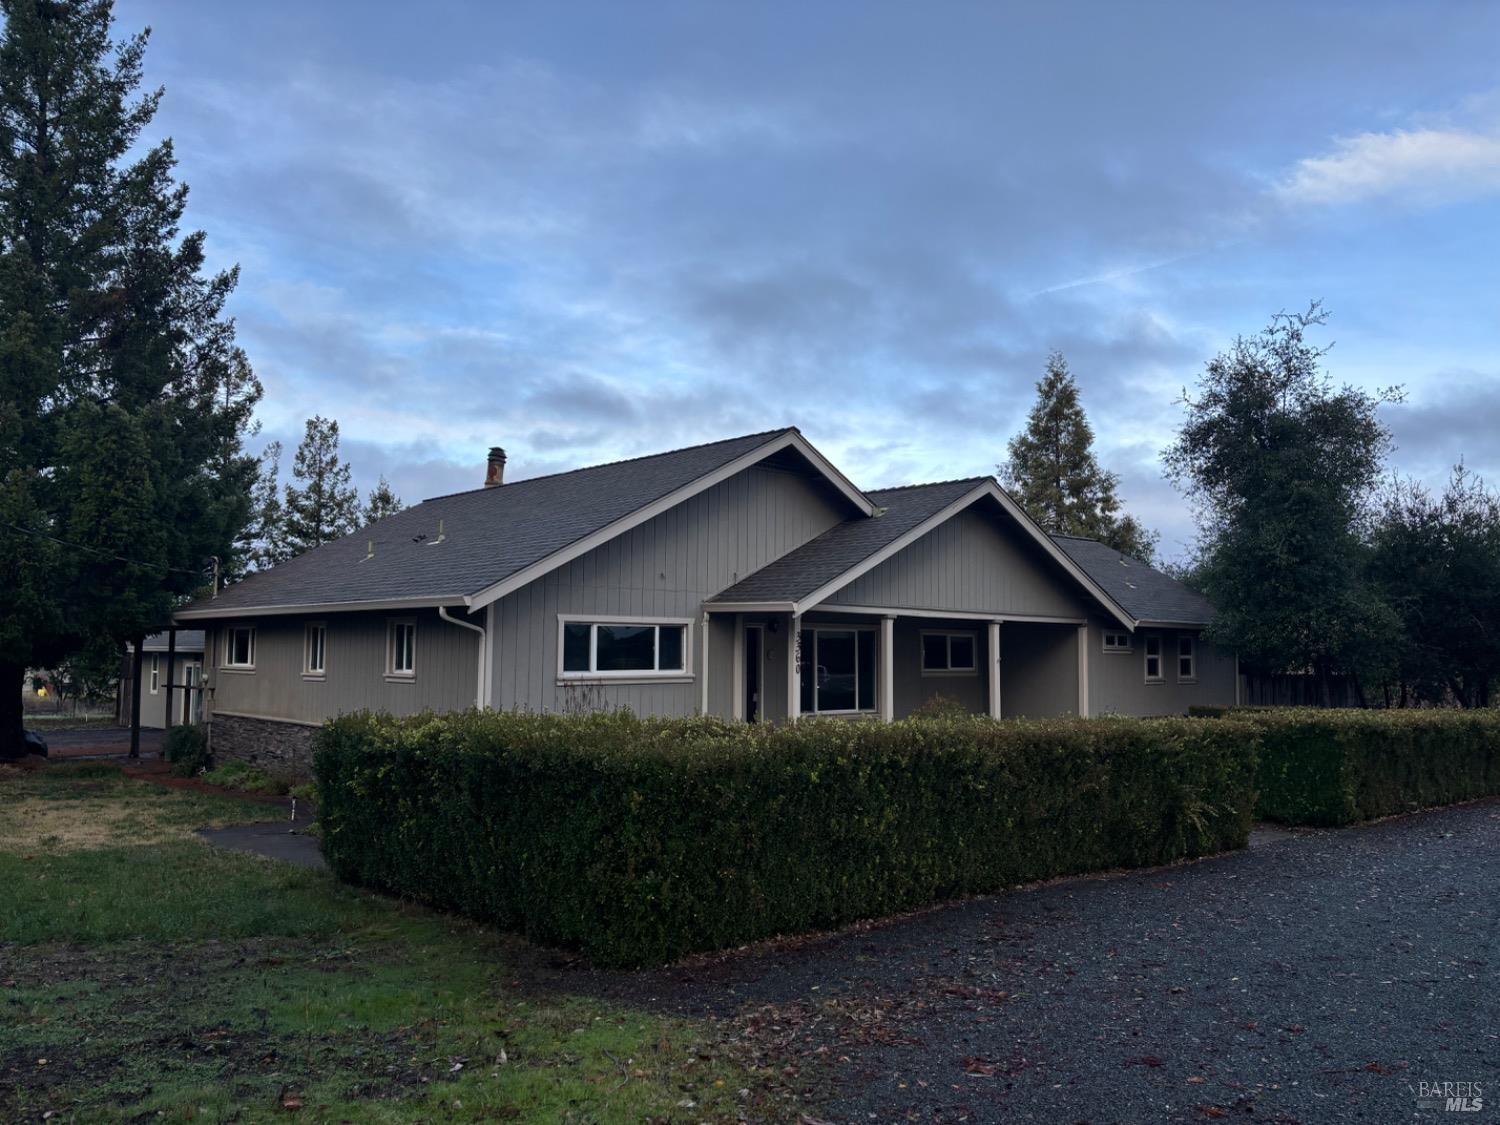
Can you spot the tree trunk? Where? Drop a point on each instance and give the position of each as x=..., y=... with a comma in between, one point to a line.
x=12, y=683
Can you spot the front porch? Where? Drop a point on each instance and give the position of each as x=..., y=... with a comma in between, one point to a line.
x=865, y=662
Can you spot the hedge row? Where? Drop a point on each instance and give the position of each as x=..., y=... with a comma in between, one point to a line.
x=1341, y=766
x=639, y=840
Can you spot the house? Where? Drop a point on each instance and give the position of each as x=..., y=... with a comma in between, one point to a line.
x=746, y=578
x=186, y=670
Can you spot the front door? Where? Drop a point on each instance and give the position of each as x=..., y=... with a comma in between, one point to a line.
x=754, y=654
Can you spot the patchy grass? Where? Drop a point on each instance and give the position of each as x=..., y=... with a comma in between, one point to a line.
x=147, y=976
x=247, y=779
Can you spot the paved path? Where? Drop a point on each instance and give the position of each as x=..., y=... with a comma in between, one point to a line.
x=273, y=840
x=1317, y=978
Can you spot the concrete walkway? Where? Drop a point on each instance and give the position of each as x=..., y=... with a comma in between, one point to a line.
x=274, y=841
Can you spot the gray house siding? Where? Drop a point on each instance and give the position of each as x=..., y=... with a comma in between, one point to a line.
x=1038, y=670
x=975, y=562
x=446, y=676
x=666, y=567
x=1117, y=680
x=914, y=687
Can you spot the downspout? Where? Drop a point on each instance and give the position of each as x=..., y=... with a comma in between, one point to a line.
x=484, y=645
x=703, y=709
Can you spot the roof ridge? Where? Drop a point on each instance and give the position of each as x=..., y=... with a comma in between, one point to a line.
x=610, y=464
x=1079, y=538
x=929, y=484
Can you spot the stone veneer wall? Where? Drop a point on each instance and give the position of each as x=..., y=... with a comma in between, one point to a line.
x=279, y=748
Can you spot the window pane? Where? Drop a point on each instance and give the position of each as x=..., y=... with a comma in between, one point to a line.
x=935, y=652
x=1153, y=646
x=626, y=648
x=961, y=652
x=1185, y=667
x=576, y=647
x=836, y=670
x=669, y=647
x=867, y=670
x=808, y=658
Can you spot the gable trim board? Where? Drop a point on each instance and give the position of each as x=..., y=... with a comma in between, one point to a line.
x=986, y=488
x=791, y=439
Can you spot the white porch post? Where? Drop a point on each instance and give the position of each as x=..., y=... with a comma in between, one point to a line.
x=703, y=706
x=1083, y=671
x=886, y=663
x=794, y=668
x=994, y=656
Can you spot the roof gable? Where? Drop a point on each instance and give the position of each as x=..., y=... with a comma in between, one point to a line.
x=473, y=547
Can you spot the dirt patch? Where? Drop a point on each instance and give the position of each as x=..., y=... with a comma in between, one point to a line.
x=39, y=824
x=160, y=773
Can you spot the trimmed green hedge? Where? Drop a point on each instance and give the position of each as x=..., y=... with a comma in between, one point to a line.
x=641, y=840
x=1333, y=767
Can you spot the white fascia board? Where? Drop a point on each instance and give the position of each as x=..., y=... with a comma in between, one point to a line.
x=791, y=439
x=212, y=612
x=749, y=607
x=954, y=614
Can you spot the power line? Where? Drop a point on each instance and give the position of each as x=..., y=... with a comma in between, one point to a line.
x=200, y=572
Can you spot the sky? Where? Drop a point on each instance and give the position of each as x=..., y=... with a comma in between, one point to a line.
x=587, y=231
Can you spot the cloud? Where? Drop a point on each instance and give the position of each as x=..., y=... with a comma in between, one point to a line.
x=1420, y=166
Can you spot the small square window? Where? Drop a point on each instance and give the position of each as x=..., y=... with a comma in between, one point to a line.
x=239, y=647
x=1116, y=642
x=948, y=652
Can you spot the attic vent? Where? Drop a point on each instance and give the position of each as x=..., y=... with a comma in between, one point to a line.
x=1131, y=585
x=369, y=550
x=442, y=534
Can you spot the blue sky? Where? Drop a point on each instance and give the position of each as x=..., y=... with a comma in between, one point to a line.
x=586, y=231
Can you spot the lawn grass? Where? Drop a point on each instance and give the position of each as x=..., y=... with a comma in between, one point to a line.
x=169, y=981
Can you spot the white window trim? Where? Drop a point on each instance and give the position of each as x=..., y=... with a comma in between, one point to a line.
x=391, y=674
x=939, y=673
x=1116, y=649
x=229, y=664
x=155, y=682
x=683, y=675
x=1192, y=658
x=1161, y=659
x=308, y=671
x=830, y=627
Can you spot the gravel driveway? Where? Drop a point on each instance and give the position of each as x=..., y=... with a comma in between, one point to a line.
x=1319, y=977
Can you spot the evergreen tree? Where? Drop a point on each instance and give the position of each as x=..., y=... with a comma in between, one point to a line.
x=382, y=502
x=263, y=543
x=123, y=398
x=1054, y=475
x=325, y=505
x=1282, y=465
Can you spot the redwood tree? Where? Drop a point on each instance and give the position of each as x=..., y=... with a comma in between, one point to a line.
x=125, y=399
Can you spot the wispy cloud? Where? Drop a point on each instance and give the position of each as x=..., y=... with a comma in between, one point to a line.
x=1420, y=166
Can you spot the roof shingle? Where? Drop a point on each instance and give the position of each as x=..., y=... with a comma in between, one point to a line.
x=1142, y=591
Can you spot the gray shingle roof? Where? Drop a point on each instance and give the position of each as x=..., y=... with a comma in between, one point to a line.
x=490, y=533
x=188, y=640
x=819, y=561
x=1143, y=591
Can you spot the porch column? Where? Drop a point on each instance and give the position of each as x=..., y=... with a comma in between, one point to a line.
x=794, y=668
x=994, y=665
x=171, y=673
x=887, y=665
x=135, y=698
x=1083, y=671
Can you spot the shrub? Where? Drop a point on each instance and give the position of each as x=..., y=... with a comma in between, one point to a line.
x=640, y=840
x=940, y=706
x=1331, y=767
x=187, y=749
x=247, y=779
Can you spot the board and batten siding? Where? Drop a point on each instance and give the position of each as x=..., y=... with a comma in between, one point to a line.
x=975, y=562
x=1117, y=680
x=666, y=567
x=355, y=678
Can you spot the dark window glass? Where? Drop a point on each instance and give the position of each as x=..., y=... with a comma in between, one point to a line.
x=670, y=648
x=808, y=659
x=866, y=670
x=961, y=652
x=625, y=648
x=576, y=647
x=935, y=652
x=836, y=668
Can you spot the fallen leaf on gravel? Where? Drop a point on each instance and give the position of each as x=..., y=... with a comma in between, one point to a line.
x=1213, y=1111
x=1146, y=1060
x=1197, y=1080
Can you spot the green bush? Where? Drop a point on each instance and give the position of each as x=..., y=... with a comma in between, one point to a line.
x=641, y=840
x=187, y=749
x=1331, y=767
x=247, y=779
